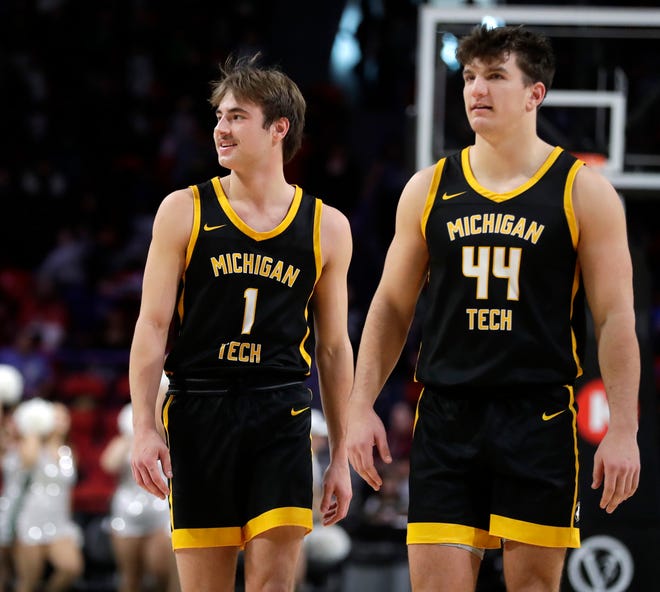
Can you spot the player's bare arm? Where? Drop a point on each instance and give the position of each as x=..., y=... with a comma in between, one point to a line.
x=604, y=257
x=165, y=263
x=334, y=357
x=386, y=327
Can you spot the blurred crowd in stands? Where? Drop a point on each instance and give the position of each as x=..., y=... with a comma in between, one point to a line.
x=105, y=111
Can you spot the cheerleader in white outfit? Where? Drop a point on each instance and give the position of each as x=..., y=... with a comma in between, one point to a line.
x=45, y=529
x=13, y=475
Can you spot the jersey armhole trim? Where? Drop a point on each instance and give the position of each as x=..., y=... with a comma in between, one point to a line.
x=318, y=252
x=431, y=195
x=197, y=216
x=194, y=234
x=573, y=226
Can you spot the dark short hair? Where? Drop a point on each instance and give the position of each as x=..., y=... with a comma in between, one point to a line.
x=269, y=88
x=533, y=52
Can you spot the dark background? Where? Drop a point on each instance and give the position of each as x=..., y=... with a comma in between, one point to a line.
x=105, y=111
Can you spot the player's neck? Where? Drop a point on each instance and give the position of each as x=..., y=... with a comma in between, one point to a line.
x=261, y=202
x=509, y=156
x=264, y=187
x=504, y=167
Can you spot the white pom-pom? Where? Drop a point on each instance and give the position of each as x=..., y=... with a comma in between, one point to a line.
x=328, y=544
x=35, y=417
x=164, y=384
x=11, y=384
x=319, y=426
x=125, y=421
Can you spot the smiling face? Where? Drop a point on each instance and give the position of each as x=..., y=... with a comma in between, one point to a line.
x=239, y=134
x=269, y=90
x=498, y=96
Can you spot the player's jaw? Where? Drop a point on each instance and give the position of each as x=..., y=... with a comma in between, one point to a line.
x=479, y=113
x=226, y=149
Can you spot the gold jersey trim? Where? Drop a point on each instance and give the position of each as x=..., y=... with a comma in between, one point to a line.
x=574, y=229
x=535, y=534
x=431, y=195
x=166, y=423
x=318, y=259
x=568, y=203
x=574, y=412
x=235, y=536
x=197, y=538
x=423, y=533
x=194, y=234
x=290, y=516
x=245, y=228
x=318, y=254
x=500, y=197
x=419, y=401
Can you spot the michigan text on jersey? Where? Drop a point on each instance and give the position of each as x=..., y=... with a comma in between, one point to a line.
x=254, y=264
x=495, y=224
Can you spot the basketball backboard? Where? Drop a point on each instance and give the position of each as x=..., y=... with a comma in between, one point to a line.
x=605, y=100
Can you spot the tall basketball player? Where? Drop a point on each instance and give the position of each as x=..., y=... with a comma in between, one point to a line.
x=510, y=233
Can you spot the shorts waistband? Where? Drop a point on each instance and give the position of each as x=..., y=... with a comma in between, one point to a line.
x=235, y=385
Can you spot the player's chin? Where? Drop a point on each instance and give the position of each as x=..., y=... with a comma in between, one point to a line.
x=225, y=161
x=478, y=124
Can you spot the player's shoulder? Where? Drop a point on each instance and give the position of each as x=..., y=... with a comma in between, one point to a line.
x=174, y=217
x=594, y=197
x=416, y=190
x=175, y=202
x=424, y=175
x=334, y=221
x=591, y=184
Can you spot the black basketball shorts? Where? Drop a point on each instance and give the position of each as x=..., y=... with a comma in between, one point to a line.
x=495, y=464
x=241, y=463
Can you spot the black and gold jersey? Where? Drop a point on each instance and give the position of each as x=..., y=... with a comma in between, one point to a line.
x=504, y=301
x=244, y=299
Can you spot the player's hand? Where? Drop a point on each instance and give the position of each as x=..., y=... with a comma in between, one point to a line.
x=616, y=468
x=364, y=431
x=148, y=449
x=337, y=492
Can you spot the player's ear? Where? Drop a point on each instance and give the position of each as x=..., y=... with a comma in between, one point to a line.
x=536, y=95
x=280, y=127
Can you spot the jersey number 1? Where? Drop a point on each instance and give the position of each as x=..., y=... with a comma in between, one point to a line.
x=250, y=296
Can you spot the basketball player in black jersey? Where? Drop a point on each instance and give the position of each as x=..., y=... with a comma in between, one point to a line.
x=247, y=263
x=507, y=235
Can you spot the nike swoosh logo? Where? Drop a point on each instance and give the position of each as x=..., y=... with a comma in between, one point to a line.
x=546, y=417
x=450, y=196
x=295, y=412
x=207, y=227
